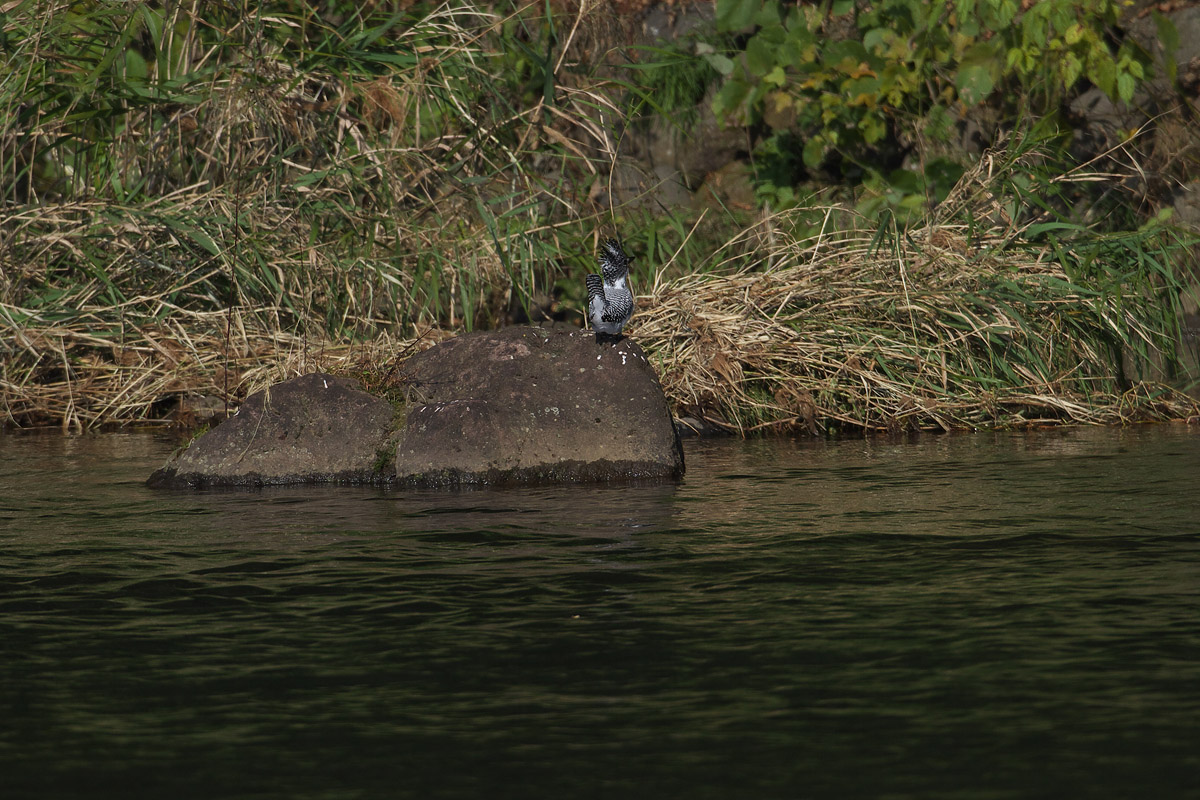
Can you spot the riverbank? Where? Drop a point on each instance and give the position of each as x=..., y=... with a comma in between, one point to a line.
x=938, y=327
x=195, y=209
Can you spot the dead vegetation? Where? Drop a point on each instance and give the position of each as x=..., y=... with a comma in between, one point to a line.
x=838, y=334
x=946, y=326
x=978, y=318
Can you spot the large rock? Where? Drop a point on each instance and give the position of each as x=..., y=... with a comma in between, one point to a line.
x=313, y=429
x=534, y=405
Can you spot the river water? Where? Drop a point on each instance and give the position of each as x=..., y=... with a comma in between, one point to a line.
x=969, y=616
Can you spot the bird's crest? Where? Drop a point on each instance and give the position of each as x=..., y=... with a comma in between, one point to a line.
x=613, y=261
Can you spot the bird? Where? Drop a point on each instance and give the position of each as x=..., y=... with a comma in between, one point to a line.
x=610, y=303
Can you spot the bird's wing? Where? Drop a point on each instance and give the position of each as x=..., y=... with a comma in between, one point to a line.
x=617, y=309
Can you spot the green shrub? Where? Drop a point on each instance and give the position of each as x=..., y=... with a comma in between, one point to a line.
x=853, y=87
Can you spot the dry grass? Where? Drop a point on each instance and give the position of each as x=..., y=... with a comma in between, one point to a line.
x=938, y=328
x=948, y=326
x=177, y=373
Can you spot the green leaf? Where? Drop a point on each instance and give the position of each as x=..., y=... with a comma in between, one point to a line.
x=195, y=234
x=1126, y=84
x=873, y=129
x=1035, y=231
x=1006, y=12
x=1034, y=30
x=760, y=56
x=1014, y=58
x=1072, y=68
x=814, y=152
x=876, y=39
x=942, y=174
x=772, y=32
x=974, y=84
x=1168, y=34
x=846, y=50
x=722, y=64
x=128, y=32
x=978, y=72
x=797, y=53
x=906, y=181
x=769, y=14
x=1102, y=71
x=114, y=181
x=154, y=24
x=734, y=15
x=729, y=100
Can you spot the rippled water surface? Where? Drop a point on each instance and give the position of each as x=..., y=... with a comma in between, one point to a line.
x=983, y=616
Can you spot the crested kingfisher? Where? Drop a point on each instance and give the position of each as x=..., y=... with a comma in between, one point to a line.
x=610, y=303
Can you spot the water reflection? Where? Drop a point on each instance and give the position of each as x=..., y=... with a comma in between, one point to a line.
x=949, y=485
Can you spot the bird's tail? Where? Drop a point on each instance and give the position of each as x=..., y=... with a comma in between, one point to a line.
x=595, y=287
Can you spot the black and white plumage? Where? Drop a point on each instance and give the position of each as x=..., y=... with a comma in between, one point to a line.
x=610, y=303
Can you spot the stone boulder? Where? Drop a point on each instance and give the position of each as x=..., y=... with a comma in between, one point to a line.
x=534, y=405
x=313, y=429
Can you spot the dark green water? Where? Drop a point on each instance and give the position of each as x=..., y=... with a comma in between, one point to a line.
x=986, y=616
